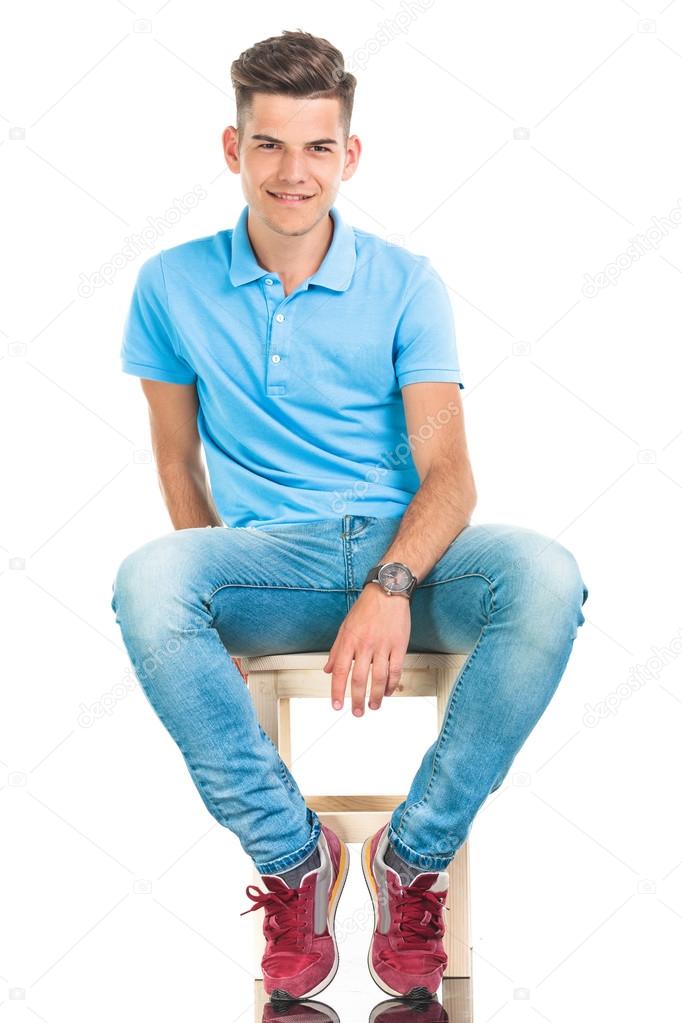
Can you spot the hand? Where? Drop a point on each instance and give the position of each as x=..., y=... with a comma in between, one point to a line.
x=375, y=631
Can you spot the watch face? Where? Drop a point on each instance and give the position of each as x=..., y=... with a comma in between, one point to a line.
x=395, y=577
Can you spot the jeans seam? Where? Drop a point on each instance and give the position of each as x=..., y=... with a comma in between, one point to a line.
x=280, y=765
x=451, y=703
x=450, y=579
x=348, y=567
x=275, y=586
x=356, y=532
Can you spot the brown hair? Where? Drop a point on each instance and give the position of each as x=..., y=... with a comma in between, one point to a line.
x=292, y=64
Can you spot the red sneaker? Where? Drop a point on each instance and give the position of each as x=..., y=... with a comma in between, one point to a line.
x=301, y=955
x=406, y=956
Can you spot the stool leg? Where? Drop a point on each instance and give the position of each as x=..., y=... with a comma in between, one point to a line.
x=457, y=1000
x=274, y=716
x=263, y=689
x=259, y=937
x=260, y=998
x=284, y=729
x=457, y=939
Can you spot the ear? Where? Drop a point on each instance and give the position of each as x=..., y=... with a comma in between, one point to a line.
x=231, y=148
x=353, y=151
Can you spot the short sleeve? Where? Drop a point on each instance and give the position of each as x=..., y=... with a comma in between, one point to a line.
x=424, y=346
x=149, y=342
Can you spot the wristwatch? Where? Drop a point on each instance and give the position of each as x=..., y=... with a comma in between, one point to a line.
x=394, y=577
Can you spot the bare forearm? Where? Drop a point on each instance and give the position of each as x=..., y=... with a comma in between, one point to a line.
x=435, y=516
x=187, y=496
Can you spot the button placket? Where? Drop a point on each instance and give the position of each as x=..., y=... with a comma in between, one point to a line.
x=280, y=329
x=273, y=295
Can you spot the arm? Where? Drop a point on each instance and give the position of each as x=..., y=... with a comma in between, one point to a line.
x=442, y=506
x=376, y=630
x=177, y=453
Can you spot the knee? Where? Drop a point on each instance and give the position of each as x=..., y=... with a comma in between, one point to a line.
x=131, y=585
x=544, y=580
x=147, y=581
x=564, y=578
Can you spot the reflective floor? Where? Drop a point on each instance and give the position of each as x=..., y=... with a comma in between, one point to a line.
x=452, y=1006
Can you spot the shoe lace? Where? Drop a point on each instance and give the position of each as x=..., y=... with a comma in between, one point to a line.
x=420, y=916
x=285, y=915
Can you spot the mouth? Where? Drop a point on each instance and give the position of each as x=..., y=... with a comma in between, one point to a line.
x=289, y=198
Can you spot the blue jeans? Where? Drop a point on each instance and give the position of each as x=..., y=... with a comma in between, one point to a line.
x=190, y=600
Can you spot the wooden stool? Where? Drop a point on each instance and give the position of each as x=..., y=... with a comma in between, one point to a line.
x=274, y=681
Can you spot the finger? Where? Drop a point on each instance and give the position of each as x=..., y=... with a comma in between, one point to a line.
x=395, y=671
x=330, y=660
x=358, y=681
x=342, y=664
x=379, y=679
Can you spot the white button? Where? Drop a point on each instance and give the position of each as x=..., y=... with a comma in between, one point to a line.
x=268, y=280
x=279, y=317
x=275, y=358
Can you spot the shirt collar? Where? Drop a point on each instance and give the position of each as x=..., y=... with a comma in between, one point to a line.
x=335, y=271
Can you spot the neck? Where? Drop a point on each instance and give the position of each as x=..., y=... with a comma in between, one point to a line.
x=294, y=257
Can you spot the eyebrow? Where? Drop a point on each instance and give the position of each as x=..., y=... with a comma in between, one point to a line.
x=315, y=142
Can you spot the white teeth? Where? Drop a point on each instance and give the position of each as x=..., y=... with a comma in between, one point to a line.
x=283, y=195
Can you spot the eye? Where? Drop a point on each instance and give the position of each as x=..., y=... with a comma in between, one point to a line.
x=265, y=145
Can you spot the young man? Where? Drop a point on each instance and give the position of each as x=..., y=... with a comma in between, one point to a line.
x=316, y=366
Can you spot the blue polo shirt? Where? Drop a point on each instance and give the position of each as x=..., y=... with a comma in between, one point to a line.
x=300, y=411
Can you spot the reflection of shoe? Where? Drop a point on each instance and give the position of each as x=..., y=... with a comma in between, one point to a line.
x=314, y=1012
x=406, y=956
x=396, y=1011
x=301, y=955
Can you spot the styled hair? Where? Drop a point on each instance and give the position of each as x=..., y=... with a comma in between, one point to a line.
x=292, y=64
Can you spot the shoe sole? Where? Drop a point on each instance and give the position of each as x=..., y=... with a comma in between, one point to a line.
x=415, y=993
x=327, y=1013
x=279, y=995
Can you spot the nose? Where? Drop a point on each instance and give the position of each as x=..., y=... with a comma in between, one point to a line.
x=292, y=167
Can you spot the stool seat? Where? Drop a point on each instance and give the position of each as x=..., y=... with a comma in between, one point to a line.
x=273, y=681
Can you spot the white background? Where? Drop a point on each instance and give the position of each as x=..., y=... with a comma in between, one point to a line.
x=521, y=147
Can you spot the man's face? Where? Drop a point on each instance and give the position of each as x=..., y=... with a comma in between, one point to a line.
x=299, y=151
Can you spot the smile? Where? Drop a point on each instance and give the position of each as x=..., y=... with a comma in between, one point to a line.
x=289, y=198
